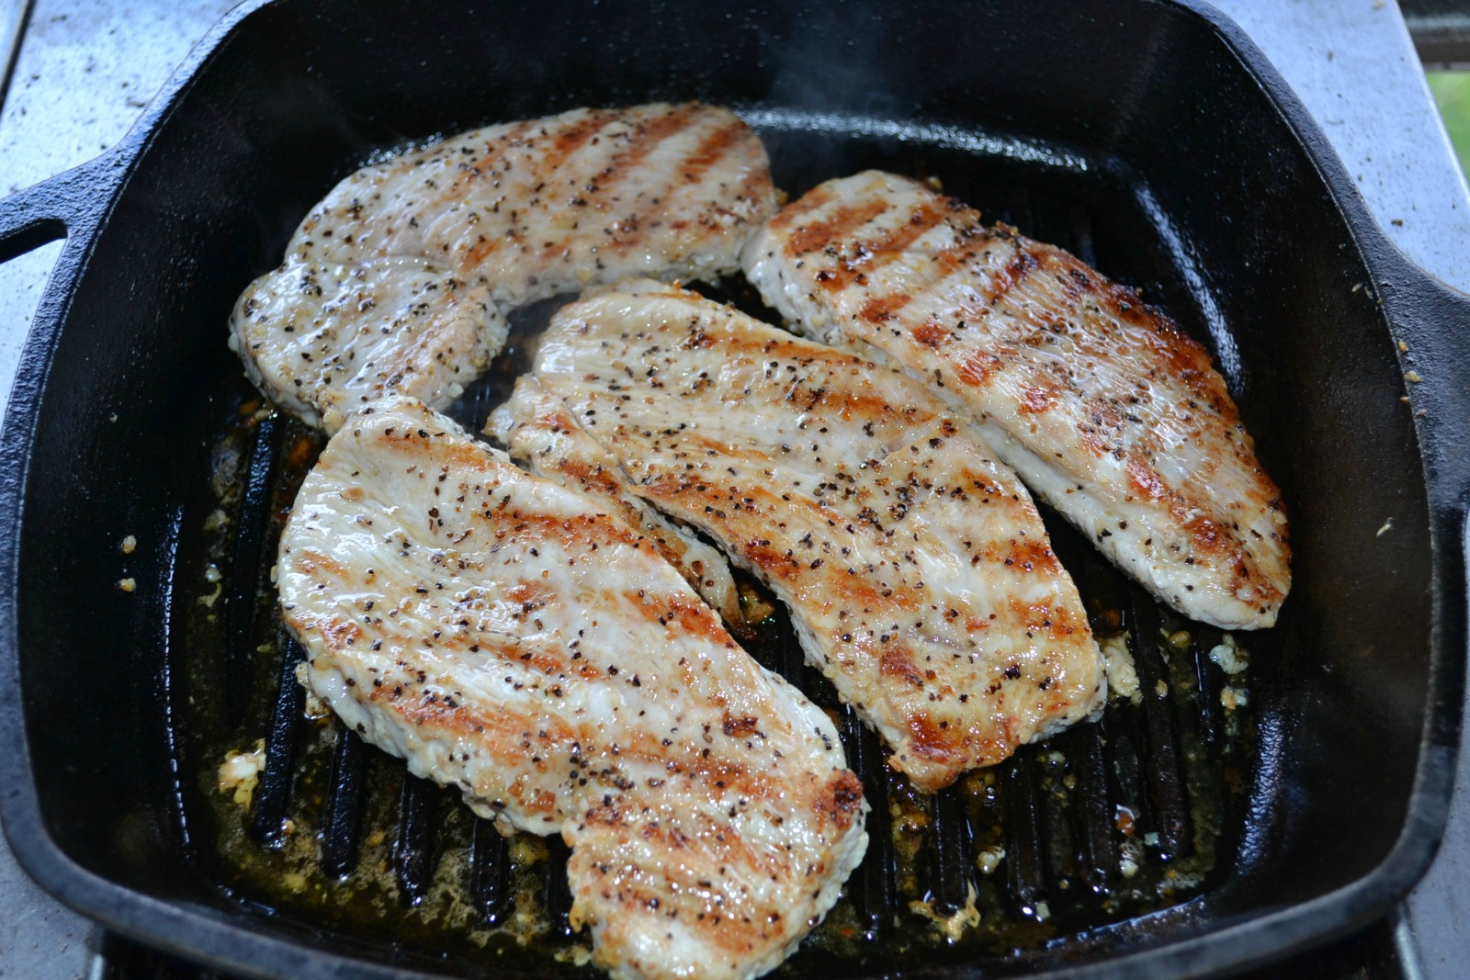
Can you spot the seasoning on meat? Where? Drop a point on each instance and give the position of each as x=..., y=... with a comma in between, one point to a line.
x=1103, y=406
x=918, y=573
x=552, y=444
x=398, y=280
x=324, y=339
x=507, y=637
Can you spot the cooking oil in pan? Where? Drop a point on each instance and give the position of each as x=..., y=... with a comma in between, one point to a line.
x=1109, y=821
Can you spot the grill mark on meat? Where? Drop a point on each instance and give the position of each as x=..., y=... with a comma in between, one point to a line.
x=730, y=933
x=1187, y=362
x=1015, y=272
x=920, y=222
x=818, y=235
x=570, y=139
x=1144, y=480
x=809, y=202
x=740, y=727
x=778, y=348
x=939, y=744
x=915, y=563
x=537, y=654
x=931, y=334
x=1126, y=427
x=312, y=562
x=431, y=343
x=648, y=135
x=868, y=594
x=1035, y=400
x=692, y=616
x=531, y=594
x=977, y=367
x=595, y=478
x=881, y=308
x=1031, y=555
x=476, y=256
x=491, y=727
x=712, y=150
x=568, y=531
x=896, y=662
x=858, y=589
x=842, y=801
x=867, y=257
x=335, y=633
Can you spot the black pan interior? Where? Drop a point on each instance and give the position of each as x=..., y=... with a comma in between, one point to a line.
x=1139, y=120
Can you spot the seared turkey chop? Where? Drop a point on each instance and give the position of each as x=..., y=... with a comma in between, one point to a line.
x=508, y=637
x=322, y=340
x=918, y=573
x=495, y=218
x=554, y=446
x=1107, y=411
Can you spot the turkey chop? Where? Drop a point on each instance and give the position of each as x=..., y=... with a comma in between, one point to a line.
x=917, y=571
x=509, y=637
x=1107, y=411
x=399, y=279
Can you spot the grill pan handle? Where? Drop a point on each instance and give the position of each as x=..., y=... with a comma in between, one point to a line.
x=71, y=205
x=1431, y=326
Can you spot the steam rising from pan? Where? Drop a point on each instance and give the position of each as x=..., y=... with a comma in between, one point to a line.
x=856, y=126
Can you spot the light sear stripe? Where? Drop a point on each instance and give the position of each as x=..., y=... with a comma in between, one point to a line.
x=510, y=638
x=916, y=568
x=551, y=443
x=1104, y=407
x=713, y=150
x=518, y=212
x=815, y=235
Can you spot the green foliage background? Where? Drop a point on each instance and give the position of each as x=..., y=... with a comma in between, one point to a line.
x=1452, y=91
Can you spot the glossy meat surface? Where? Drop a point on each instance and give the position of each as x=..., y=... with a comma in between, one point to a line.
x=1106, y=410
x=515, y=212
x=508, y=638
x=554, y=205
x=543, y=436
x=323, y=340
x=918, y=573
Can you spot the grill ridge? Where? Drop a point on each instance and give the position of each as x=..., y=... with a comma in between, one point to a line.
x=1025, y=873
x=490, y=873
x=1166, y=789
x=1097, y=857
x=272, y=795
x=873, y=881
x=415, y=847
x=1208, y=680
x=342, y=821
x=255, y=531
x=1062, y=831
x=952, y=865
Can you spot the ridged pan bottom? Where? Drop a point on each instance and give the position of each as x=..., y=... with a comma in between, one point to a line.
x=1106, y=822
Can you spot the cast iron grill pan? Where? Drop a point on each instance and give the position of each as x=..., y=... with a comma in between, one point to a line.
x=1106, y=822
x=1150, y=138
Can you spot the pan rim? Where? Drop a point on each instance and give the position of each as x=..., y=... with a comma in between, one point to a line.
x=233, y=941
